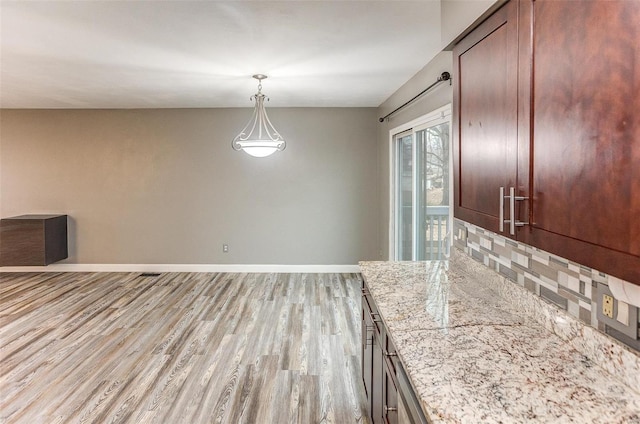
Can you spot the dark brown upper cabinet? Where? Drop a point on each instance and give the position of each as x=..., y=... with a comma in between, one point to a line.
x=576, y=171
x=485, y=117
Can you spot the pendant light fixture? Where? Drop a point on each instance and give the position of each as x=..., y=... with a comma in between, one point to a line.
x=259, y=138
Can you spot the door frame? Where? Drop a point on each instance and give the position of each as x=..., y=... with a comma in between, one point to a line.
x=435, y=117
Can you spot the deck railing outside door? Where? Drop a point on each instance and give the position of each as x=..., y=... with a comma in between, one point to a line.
x=436, y=232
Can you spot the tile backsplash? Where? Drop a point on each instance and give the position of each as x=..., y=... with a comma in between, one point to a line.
x=569, y=285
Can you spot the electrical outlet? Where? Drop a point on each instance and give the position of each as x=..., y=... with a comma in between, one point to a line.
x=607, y=305
x=616, y=315
x=225, y=249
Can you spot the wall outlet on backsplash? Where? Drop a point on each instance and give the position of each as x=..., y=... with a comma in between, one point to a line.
x=607, y=305
x=618, y=315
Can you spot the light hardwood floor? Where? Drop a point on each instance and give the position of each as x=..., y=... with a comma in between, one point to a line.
x=180, y=348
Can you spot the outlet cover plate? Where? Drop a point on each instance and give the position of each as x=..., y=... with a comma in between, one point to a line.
x=630, y=330
x=607, y=305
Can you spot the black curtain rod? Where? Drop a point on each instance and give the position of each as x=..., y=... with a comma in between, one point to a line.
x=445, y=76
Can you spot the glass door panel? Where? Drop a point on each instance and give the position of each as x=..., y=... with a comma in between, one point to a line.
x=432, y=202
x=404, y=196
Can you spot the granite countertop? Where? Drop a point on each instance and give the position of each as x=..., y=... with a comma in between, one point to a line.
x=479, y=349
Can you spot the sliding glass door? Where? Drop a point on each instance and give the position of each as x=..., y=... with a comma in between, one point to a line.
x=404, y=196
x=421, y=163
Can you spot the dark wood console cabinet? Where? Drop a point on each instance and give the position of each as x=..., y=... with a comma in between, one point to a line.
x=390, y=398
x=28, y=240
x=545, y=94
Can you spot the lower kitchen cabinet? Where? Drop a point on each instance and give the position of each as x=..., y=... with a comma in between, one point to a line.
x=389, y=395
x=367, y=353
x=390, y=398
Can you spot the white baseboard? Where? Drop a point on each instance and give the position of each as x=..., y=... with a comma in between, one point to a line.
x=184, y=268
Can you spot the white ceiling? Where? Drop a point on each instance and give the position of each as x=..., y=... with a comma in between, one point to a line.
x=160, y=54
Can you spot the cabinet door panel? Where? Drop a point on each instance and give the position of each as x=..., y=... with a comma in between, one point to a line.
x=485, y=117
x=367, y=350
x=586, y=133
x=390, y=397
x=377, y=392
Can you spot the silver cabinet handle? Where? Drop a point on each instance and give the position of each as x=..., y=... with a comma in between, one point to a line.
x=501, y=209
x=388, y=409
x=389, y=354
x=512, y=211
x=371, y=315
x=502, y=197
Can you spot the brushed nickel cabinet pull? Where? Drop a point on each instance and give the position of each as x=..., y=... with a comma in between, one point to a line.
x=512, y=211
x=388, y=409
x=389, y=354
x=512, y=203
x=501, y=209
x=513, y=223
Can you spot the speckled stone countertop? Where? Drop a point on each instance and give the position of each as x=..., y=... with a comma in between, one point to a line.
x=479, y=349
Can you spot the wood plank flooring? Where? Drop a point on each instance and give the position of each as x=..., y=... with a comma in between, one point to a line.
x=180, y=348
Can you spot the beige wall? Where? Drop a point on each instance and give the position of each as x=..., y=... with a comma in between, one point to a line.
x=164, y=186
x=440, y=95
x=457, y=15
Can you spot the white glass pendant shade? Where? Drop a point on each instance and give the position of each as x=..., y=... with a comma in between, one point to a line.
x=259, y=138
